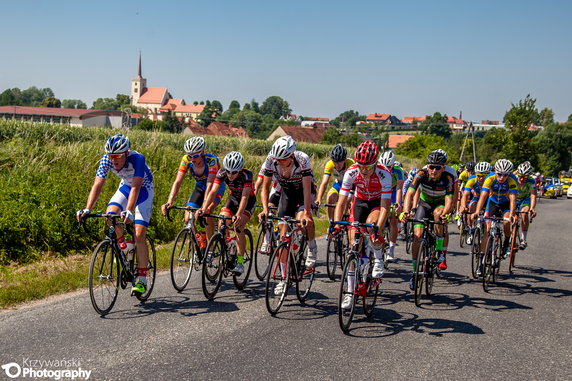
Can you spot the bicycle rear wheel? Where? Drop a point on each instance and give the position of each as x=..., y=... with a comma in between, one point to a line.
x=182, y=259
x=213, y=265
x=334, y=244
x=430, y=271
x=305, y=276
x=409, y=237
x=462, y=231
x=240, y=280
x=372, y=290
x=385, y=248
x=103, y=278
x=151, y=270
x=348, y=282
x=277, y=278
x=514, y=245
x=261, y=259
x=488, y=265
x=419, y=274
x=475, y=252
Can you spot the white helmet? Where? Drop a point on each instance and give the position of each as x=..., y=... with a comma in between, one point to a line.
x=483, y=168
x=387, y=158
x=195, y=144
x=283, y=147
x=117, y=144
x=233, y=161
x=503, y=166
x=525, y=168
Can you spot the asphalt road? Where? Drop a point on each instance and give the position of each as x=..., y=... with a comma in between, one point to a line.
x=521, y=330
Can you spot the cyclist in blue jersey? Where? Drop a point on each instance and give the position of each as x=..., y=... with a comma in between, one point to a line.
x=471, y=194
x=203, y=167
x=133, y=200
x=526, y=198
x=387, y=159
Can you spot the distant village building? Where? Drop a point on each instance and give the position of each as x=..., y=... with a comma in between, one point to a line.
x=70, y=116
x=215, y=129
x=299, y=133
x=394, y=140
x=456, y=124
x=384, y=120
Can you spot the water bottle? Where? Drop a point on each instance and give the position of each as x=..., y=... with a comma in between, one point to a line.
x=231, y=241
x=295, y=241
x=129, y=250
x=276, y=233
x=364, y=260
x=201, y=240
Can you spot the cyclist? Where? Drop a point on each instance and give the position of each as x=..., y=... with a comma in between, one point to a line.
x=203, y=167
x=240, y=202
x=436, y=188
x=526, y=198
x=463, y=178
x=273, y=200
x=471, y=193
x=387, y=159
x=135, y=193
x=337, y=166
x=293, y=172
x=499, y=191
x=371, y=203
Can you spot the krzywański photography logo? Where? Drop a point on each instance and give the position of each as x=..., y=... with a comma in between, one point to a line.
x=68, y=369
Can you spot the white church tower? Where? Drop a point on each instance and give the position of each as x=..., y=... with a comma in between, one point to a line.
x=138, y=85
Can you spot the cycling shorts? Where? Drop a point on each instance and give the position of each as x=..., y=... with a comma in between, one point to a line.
x=198, y=196
x=290, y=204
x=232, y=205
x=143, y=205
x=522, y=203
x=361, y=209
x=425, y=210
x=496, y=210
x=335, y=188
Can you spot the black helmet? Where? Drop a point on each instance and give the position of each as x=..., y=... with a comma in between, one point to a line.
x=470, y=165
x=436, y=157
x=338, y=153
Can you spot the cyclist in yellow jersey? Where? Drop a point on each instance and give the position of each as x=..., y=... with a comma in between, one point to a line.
x=336, y=167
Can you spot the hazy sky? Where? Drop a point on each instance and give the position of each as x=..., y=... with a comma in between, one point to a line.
x=407, y=58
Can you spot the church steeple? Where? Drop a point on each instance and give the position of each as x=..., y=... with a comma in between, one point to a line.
x=138, y=85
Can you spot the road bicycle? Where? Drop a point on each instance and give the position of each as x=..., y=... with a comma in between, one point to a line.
x=493, y=255
x=110, y=268
x=187, y=252
x=409, y=236
x=357, y=280
x=464, y=229
x=287, y=267
x=221, y=256
x=262, y=257
x=515, y=240
x=337, y=247
x=427, y=261
x=476, y=244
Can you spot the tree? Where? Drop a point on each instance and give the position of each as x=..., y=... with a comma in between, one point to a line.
x=246, y=106
x=216, y=104
x=518, y=119
x=570, y=118
x=51, y=102
x=33, y=96
x=275, y=107
x=421, y=145
x=172, y=123
x=249, y=120
x=73, y=103
x=436, y=124
x=145, y=125
x=554, y=143
x=207, y=116
x=546, y=116
x=11, y=97
x=234, y=105
x=347, y=119
x=120, y=102
x=254, y=106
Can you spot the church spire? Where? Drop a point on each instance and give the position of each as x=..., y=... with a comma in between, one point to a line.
x=139, y=71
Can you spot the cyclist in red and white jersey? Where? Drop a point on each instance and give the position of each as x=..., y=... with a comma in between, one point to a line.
x=371, y=203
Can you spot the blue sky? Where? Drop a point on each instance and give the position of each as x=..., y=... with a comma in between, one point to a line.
x=407, y=58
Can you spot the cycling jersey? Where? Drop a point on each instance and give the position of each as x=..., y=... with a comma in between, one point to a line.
x=498, y=193
x=211, y=166
x=433, y=191
x=135, y=166
x=450, y=170
x=236, y=186
x=464, y=176
x=396, y=175
x=377, y=186
x=525, y=189
x=330, y=170
x=472, y=185
x=301, y=168
x=275, y=186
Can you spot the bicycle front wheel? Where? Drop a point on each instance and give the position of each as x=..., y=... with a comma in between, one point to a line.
x=334, y=244
x=462, y=232
x=240, y=280
x=277, y=278
x=213, y=265
x=347, y=290
x=514, y=244
x=261, y=259
x=409, y=237
x=419, y=274
x=372, y=290
x=304, y=275
x=182, y=258
x=488, y=265
x=475, y=252
x=103, y=278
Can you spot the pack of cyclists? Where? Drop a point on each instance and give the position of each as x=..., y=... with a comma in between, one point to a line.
x=371, y=187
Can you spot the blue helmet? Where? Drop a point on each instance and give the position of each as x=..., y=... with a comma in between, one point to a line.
x=117, y=144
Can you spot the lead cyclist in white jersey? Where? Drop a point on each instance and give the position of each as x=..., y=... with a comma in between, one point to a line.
x=135, y=193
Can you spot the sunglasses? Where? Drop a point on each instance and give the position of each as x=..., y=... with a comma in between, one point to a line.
x=194, y=156
x=115, y=156
x=435, y=167
x=502, y=174
x=481, y=176
x=233, y=172
x=365, y=167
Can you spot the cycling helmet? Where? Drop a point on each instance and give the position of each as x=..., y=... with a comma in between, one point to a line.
x=283, y=147
x=397, y=164
x=470, y=166
x=366, y=153
x=338, y=153
x=233, y=161
x=413, y=172
x=537, y=174
x=483, y=168
x=524, y=169
x=503, y=166
x=443, y=153
x=437, y=157
x=195, y=144
x=117, y=144
x=387, y=158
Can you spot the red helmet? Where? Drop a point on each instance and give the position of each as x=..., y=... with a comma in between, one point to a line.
x=366, y=153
